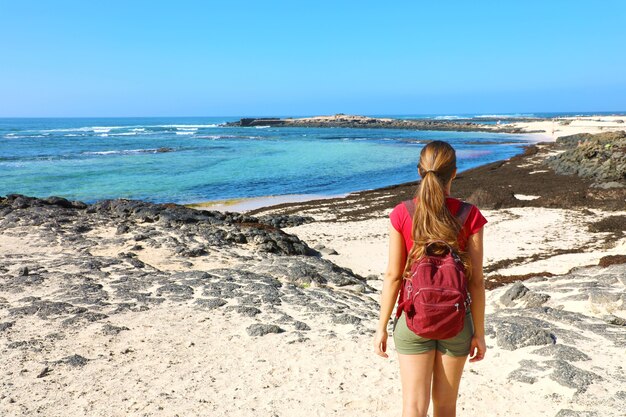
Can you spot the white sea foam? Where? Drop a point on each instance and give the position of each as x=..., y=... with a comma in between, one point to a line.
x=76, y=129
x=14, y=136
x=122, y=152
x=262, y=127
x=186, y=126
x=503, y=116
x=186, y=132
x=134, y=128
x=95, y=129
x=217, y=137
x=102, y=153
x=448, y=117
x=212, y=137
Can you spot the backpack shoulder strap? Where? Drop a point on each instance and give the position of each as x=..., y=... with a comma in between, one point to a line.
x=463, y=212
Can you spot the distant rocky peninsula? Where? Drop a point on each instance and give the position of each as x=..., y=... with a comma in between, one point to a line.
x=353, y=121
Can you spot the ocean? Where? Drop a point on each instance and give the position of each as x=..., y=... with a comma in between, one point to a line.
x=189, y=160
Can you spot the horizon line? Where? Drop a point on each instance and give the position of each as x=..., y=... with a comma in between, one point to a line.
x=587, y=113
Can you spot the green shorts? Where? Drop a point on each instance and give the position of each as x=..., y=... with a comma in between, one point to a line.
x=408, y=343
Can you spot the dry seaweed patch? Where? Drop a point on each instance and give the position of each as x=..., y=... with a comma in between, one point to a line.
x=496, y=280
x=506, y=263
x=612, y=260
x=611, y=224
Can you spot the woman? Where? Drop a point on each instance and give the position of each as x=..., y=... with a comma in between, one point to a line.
x=427, y=363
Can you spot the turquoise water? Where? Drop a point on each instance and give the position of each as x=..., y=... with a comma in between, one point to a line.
x=93, y=159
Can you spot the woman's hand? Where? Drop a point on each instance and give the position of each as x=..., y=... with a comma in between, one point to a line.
x=391, y=287
x=380, y=343
x=477, y=348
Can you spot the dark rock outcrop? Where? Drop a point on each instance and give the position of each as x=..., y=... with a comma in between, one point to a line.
x=259, y=329
x=76, y=361
x=515, y=332
x=351, y=121
x=262, y=121
x=566, y=412
x=600, y=157
x=266, y=268
x=571, y=376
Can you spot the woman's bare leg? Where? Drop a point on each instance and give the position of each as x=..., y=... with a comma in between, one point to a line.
x=416, y=373
x=446, y=380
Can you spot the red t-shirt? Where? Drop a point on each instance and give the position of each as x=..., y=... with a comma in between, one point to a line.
x=403, y=223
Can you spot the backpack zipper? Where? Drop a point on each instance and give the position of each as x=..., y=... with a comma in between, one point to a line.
x=438, y=289
x=455, y=305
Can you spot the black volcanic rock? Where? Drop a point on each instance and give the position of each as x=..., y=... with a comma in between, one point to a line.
x=600, y=157
x=566, y=412
x=263, y=121
x=259, y=329
x=76, y=361
x=210, y=303
x=571, y=376
x=110, y=330
x=516, y=332
x=6, y=325
x=45, y=309
x=348, y=121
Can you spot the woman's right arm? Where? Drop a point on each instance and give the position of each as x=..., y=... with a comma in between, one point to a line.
x=477, y=292
x=391, y=287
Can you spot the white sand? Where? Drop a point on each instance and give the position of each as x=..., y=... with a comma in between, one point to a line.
x=247, y=204
x=564, y=126
x=179, y=361
x=510, y=233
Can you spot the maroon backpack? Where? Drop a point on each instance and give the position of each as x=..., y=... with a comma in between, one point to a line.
x=435, y=296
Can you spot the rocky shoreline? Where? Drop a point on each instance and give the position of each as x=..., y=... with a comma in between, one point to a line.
x=159, y=309
x=542, y=170
x=353, y=121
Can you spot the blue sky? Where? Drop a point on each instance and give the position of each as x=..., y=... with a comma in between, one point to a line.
x=210, y=58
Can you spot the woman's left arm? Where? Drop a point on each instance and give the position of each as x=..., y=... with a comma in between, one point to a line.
x=391, y=287
x=477, y=292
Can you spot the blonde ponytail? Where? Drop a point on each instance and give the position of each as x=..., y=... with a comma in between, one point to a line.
x=432, y=220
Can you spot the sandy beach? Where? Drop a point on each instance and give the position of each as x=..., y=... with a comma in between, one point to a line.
x=564, y=126
x=131, y=308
